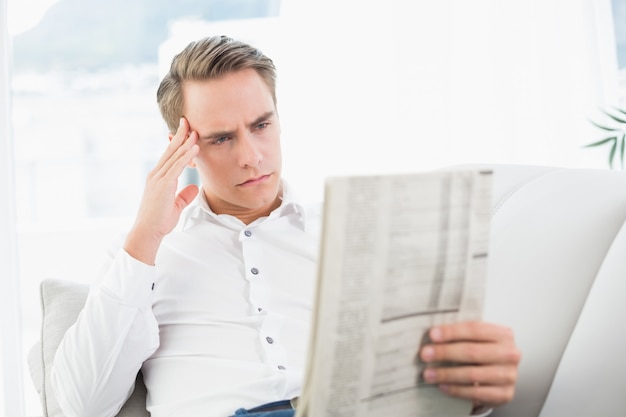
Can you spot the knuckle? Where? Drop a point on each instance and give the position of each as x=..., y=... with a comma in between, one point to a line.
x=507, y=375
x=473, y=352
x=512, y=376
x=505, y=394
x=509, y=394
x=515, y=355
x=475, y=374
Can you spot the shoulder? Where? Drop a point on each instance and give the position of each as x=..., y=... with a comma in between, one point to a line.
x=312, y=214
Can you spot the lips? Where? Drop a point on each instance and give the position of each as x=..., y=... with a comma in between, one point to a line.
x=254, y=181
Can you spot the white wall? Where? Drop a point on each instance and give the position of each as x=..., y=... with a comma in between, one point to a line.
x=371, y=86
x=385, y=86
x=11, y=386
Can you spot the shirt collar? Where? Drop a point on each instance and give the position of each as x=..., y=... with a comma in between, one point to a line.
x=199, y=211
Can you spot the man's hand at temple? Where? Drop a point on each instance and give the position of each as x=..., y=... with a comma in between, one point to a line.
x=485, y=360
x=161, y=206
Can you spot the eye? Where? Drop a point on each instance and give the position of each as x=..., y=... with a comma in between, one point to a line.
x=220, y=140
x=263, y=125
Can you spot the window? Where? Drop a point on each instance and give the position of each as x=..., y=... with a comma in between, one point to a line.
x=10, y=346
x=619, y=22
x=87, y=128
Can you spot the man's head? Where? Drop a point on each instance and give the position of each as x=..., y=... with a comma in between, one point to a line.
x=206, y=59
x=225, y=90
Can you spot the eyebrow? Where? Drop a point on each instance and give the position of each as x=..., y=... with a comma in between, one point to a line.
x=220, y=133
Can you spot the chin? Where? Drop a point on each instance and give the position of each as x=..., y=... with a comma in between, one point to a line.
x=268, y=198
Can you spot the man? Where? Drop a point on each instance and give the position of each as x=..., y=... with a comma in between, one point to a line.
x=211, y=294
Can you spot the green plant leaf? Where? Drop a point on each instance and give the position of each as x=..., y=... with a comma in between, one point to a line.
x=610, y=129
x=600, y=142
x=621, y=151
x=617, y=132
x=612, y=154
x=619, y=110
x=617, y=119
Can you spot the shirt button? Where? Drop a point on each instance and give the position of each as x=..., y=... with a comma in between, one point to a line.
x=259, y=309
x=247, y=233
x=254, y=271
x=269, y=340
x=282, y=368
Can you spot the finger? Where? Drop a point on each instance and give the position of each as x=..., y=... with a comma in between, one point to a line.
x=174, y=164
x=470, y=330
x=176, y=141
x=182, y=132
x=467, y=375
x=490, y=395
x=182, y=157
x=186, y=195
x=470, y=353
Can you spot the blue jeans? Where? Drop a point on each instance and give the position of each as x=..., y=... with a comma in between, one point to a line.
x=268, y=410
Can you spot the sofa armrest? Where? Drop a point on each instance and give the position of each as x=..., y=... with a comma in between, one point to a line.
x=61, y=303
x=35, y=367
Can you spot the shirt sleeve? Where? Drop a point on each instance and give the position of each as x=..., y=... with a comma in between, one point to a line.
x=481, y=411
x=97, y=361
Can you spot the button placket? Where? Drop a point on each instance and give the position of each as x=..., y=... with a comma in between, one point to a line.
x=270, y=341
x=252, y=263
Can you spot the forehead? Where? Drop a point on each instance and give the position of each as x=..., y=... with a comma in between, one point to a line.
x=243, y=91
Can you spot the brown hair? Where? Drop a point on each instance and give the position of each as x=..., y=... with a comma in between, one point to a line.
x=206, y=59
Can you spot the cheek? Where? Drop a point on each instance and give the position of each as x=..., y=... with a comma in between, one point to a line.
x=210, y=168
x=277, y=152
x=272, y=148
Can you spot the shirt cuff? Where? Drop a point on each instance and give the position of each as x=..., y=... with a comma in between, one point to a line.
x=481, y=411
x=129, y=280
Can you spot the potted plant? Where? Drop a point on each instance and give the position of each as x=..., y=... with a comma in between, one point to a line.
x=616, y=128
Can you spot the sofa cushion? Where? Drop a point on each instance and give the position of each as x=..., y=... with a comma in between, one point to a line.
x=552, y=234
x=61, y=302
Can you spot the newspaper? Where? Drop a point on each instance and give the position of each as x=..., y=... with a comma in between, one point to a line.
x=399, y=254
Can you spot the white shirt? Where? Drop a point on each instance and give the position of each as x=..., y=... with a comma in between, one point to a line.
x=226, y=325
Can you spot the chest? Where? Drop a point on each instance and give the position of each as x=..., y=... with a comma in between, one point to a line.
x=210, y=274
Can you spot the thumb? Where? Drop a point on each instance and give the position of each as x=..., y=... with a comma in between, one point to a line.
x=186, y=195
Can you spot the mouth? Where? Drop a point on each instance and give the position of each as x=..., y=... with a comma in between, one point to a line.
x=254, y=181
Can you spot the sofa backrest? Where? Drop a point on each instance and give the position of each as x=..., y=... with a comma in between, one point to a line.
x=557, y=268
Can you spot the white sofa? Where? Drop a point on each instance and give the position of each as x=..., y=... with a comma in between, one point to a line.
x=557, y=276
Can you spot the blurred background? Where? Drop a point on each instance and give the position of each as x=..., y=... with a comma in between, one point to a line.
x=364, y=87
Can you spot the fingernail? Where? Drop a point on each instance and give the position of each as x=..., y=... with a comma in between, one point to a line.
x=445, y=388
x=430, y=375
x=428, y=353
x=435, y=334
x=180, y=122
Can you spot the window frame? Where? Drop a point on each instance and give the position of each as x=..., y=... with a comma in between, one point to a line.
x=11, y=380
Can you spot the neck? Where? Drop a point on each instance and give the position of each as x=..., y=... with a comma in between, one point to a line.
x=246, y=214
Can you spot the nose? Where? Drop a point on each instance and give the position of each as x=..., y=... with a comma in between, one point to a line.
x=249, y=152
